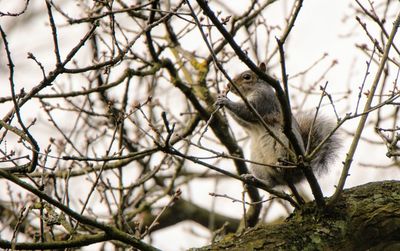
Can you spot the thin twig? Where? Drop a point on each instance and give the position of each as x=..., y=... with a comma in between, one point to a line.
x=361, y=124
x=286, y=111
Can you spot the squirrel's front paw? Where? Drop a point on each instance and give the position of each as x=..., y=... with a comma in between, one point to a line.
x=222, y=100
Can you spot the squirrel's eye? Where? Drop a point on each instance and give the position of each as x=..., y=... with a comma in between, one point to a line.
x=246, y=76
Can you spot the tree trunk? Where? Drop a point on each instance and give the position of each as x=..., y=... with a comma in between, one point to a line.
x=366, y=217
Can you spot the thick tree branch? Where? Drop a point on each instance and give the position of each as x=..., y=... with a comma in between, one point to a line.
x=111, y=231
x=286, y=110
x=366, y=217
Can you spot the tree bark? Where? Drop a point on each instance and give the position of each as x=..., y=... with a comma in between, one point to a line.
x=366, y=217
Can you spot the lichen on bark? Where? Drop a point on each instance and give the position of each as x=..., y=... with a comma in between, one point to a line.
x=366, y=217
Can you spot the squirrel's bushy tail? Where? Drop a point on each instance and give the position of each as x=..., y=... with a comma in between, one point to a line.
x=321, y=128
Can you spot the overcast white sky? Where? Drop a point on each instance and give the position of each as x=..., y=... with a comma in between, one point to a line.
x=319, y=29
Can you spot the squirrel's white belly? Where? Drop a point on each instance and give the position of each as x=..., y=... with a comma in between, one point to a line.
x=266, y=150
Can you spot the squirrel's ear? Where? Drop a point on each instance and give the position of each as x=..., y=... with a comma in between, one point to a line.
x=263, y=67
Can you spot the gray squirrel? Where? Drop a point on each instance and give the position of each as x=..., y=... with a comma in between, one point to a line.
x=265, y=148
